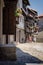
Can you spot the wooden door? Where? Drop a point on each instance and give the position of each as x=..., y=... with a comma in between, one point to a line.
x=9, y=20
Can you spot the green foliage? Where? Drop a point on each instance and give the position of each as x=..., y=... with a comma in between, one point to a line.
x=18, y=12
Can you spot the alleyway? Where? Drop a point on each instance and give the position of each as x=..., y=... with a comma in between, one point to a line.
x=27, y=53
x=34, y=49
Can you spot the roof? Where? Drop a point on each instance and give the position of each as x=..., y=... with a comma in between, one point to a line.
x=25, y=14
x=40, y=16
x=33, y=11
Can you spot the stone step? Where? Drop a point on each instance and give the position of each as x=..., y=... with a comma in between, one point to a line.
x=7, y=53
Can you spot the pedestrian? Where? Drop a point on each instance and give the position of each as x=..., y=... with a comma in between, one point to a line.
x=30, y=38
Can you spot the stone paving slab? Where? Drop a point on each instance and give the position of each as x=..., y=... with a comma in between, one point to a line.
x=26, y=55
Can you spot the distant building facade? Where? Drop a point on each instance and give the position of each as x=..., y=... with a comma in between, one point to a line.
x=31, y=25
x=40, y=24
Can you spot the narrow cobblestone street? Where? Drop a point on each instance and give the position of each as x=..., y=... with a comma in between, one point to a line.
x=34, y=49
x=27, y=53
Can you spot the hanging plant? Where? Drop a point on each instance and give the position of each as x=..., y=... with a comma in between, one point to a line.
x=18, y=12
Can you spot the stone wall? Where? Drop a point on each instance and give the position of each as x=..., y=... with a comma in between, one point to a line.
x=1, y=21
x=20, y=35
x=21, y=23
x=40, y=33
x=40, y=24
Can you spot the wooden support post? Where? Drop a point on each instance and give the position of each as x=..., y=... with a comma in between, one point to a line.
x=7, y=39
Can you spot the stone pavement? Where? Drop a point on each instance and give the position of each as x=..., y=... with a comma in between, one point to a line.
x=27, y=53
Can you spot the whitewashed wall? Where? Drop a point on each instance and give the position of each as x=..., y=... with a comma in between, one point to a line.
x=19, y=4
x=21, y=22
x=10, y=38
x=20, y=25
x=20, y=35
x=17, y=35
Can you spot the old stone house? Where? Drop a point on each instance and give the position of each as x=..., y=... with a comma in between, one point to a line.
x=30, y=23
x=9, y=27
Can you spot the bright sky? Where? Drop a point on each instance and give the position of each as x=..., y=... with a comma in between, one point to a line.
x=37, y=5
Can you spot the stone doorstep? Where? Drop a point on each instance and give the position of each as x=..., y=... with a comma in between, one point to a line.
x=8, y=53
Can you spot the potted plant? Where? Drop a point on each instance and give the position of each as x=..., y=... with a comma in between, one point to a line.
x=18, y=12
